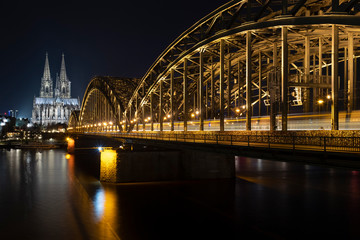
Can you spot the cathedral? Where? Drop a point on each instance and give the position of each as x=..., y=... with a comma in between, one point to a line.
x=54, y=105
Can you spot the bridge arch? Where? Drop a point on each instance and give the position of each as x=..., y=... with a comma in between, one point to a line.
x=74, y=122
x=247, y=59
x=104, y=102
x=280, y=50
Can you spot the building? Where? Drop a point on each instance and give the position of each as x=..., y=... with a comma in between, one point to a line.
x=54, y=105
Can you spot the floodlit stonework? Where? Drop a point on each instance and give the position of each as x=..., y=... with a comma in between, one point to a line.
x=54, y=106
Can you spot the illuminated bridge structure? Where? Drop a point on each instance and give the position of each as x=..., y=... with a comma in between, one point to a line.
x=248, y=65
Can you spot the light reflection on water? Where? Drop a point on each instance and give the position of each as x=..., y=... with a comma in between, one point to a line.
x=99, y=203
x=48, y=195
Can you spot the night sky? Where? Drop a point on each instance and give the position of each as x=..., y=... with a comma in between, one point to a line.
x=114, y=38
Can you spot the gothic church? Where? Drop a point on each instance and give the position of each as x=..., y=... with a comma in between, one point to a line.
x=54, y=106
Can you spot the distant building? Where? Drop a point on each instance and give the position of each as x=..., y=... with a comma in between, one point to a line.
x=54, y=105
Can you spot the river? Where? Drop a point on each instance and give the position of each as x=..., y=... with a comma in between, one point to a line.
x=51, y=195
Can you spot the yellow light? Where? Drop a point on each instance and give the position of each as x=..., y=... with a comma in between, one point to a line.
x=320, y=101
x=328, y=96
x=243, y=106
x=164, y=118
x=108, y=154
x=149, y=118
x=108, y=158
x=168, y=115
x=104, y=123
x=146, y=120
x=67, y=139
x=237, y=110
x=67, y=156
x=192, y=115
x=197, y=112
x=111, y=123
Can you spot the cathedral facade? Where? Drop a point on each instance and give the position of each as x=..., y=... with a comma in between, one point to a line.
x=54, y=105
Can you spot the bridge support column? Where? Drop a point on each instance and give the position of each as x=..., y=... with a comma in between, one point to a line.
x=133, y=166
x=351, y=84
x=248, y=80
x=272, y=90
x=201, y=90
x=70, y=145
x=185, y=94
x=152, y=111
x=284, y=77
x=260, y=86
x=306, y=101
x=320, y=81
x=221, y=84
x=334, y=78
x=143, y=117
x=172, y=116
x=161, y=117
x=212, y=100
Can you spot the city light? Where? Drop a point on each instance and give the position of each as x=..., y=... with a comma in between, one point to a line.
x=328, y=96
x=320, y=101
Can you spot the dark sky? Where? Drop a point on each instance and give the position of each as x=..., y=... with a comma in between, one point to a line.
x=115, y=38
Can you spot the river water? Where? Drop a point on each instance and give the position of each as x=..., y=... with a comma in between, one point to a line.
x=49, y=195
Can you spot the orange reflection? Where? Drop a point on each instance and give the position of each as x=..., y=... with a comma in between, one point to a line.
x=71, y=145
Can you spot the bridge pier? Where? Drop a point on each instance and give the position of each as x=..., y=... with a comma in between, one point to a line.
x=118, y=166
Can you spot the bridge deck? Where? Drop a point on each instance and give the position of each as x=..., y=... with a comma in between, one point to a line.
x=350, y=145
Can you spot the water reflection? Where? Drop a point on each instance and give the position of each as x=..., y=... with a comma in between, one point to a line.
x=99, y=204
x=51, y=195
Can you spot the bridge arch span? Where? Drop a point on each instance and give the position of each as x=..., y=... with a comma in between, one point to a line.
x=253, y=58
x=249, y=63
x=104, y=103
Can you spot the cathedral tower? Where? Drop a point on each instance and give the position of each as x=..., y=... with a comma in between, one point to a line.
x=49, y=110
x=63, y=85
x=46, y=89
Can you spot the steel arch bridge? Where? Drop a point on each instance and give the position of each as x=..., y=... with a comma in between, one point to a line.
x=247, y=62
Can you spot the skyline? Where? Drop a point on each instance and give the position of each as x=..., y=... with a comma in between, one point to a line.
x=103, y=39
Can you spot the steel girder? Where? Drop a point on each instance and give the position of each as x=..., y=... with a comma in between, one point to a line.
x=104, y=101
x=242, y=54
x=173, y=79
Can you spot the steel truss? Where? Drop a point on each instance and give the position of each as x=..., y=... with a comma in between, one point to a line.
x=252, y=58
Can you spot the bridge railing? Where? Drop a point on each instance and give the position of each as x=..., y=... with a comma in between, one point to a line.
x=314, y=143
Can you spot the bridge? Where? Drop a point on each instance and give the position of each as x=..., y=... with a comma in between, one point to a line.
x=261, y=72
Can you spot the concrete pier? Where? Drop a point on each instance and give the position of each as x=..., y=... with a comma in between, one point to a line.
x=159, y=165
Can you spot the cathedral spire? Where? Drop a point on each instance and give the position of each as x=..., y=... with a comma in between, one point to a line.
x=46, y=75
x=63, y=76
x=46, y=89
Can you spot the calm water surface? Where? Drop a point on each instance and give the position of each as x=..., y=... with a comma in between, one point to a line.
x=43, y=195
